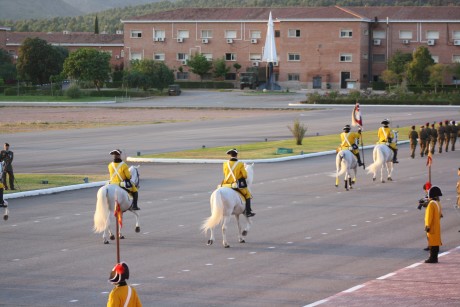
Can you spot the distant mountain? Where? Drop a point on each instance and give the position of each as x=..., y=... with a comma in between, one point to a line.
x=43, y=9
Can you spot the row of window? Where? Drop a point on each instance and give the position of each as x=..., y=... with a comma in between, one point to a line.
x=292, y=57
x=343, y=33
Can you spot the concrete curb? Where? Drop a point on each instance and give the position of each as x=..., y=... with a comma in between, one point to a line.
x=179, y=161
x=54, y=190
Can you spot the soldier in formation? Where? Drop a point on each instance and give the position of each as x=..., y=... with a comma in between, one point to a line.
x=413, y=137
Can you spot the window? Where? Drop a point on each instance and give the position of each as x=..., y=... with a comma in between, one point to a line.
x=208, y=56
x=255, y=57
x=456, y=58
x=293, y=57
x=159, y=56
x=256, y=34
x=293, y=33
x=456, y=34
x=435, y=58
x=159, y=34
x=379, y=34
x=135, y=56
x=182, y=34
x=122, y=53
x=405, y=34
x=293, y=77
x=182, y=75
x=346, y=33
x=206, y=33
x=345, y=57
x=230, y=57
x=230, y=76
x=136, y=34
x=230, y=34
x=432, y=34
x=277, y=33
x=378, y=58
x=182, y=56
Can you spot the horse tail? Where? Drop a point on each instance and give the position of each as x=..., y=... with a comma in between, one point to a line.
x=378, y=161
x=338, y=163
x=217, y=212
x=101, y=216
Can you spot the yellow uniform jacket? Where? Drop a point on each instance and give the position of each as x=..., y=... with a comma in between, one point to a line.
x=239, y=171
x=348, y=139
x=433, y=221
x=383, y=134
x=117, y=297
x=119, y=172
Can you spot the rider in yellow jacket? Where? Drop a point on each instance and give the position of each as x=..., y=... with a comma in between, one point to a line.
x=234, y=170
x=350, y=141
x=120, y=175
x=386, y=136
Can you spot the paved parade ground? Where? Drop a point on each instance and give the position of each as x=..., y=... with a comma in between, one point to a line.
x=309, y=244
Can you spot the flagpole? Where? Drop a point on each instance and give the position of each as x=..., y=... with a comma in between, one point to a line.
x=117, y=207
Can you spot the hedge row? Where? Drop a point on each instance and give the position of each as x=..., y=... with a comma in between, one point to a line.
x=382, y=101
x=206, y=84
x=119, y=93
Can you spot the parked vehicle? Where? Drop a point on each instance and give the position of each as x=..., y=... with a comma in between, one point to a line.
x=174, y=90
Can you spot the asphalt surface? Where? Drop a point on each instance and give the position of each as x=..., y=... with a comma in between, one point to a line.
x=308, y=242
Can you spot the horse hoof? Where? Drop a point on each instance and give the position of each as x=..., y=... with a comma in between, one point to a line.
x=242, y=241
x=383, y=181
x=5, y=217
x=227, y=246
x=336, y=185
x=106, y=242
x=210, y=242
x=389, y=179
x=112, y=237
x=244, y=233
x=373, y=179
x=122, y=237
x=138, y=229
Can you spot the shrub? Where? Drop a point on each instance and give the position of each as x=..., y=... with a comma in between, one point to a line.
x=73, y=92
x=298, y=131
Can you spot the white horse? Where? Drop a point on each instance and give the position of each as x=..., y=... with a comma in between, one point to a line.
x=383, y=157
x=5, y=203
x=224, y=203
x=345, y=162
x=105, y=205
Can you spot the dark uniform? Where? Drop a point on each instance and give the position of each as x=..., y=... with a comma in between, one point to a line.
x=428, y=138
x=434, y=138
x=441, y=136
x=7, y=156
x=448, y=130
x=423, y=140
x=453, y=135
x=413, y=136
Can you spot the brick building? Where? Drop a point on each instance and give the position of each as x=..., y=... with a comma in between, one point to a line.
x=111, y=43
x=318, y=47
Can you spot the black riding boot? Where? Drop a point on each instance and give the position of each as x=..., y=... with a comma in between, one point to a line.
x=359, y=159
x=434, y=251
x=395, y=156
x=248, y=212
x=134, y=204
x=2, y=202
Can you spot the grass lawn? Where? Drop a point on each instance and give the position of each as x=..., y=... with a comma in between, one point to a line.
x=266, y=150
x=28, y=182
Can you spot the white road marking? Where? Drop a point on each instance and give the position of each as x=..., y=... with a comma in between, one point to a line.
x=386, y=276
x=353, y=289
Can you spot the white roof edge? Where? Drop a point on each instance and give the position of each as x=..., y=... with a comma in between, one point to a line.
x=248, y=21
x=77, y=45
x=418, y=20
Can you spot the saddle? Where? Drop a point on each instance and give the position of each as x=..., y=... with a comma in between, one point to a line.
x=229, y=185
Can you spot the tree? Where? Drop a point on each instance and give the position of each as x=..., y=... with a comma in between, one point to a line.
x=398, y=64
x=418, y=69
x=437, y=74
x=150, y=73
x=220, y=68
x=455, y=70
x=199, y=65
x=96, y=26
x=88, y=64
x=38, y=60
x=7, y=68
x=237, y=67
x=390, y=77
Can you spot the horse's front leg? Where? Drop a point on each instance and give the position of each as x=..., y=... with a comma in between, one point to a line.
x=6, y=211
x=240, y=236
x=381, y=173
x=211, y=238
x=224, y=232
x=138, y=228
x=390, y=170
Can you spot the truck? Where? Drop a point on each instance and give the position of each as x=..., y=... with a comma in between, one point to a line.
x=252, y=78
